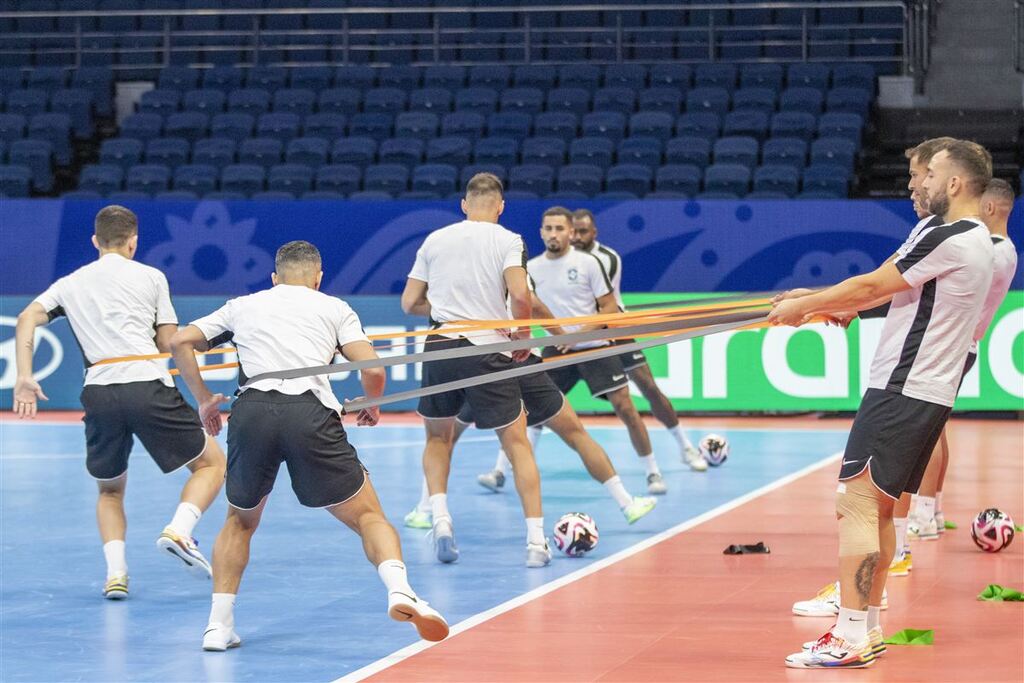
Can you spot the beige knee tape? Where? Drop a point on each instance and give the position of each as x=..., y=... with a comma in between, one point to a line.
x=857, y=507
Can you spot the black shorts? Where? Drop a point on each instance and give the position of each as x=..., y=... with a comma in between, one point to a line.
x=632, y=360
x=602, y=375
x=893, y=436
x=541, y=398
x=494, y=405
x=167, y=426
x=267, y=428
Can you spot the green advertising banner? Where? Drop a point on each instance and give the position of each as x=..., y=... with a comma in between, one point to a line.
x=813, y=368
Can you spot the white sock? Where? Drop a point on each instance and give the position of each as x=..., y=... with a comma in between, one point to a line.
x=680, y=437
x=424, y=504
x=938, y=502
x=533, y=434
x=925, y=508
x=502, y=464
x=113, y=551
x=852, y=625
x=650, y=464
x=874, y=617
x=900, y=524
x=392, y=574
x=618, y=491
x=185, y=519
x=222, y=611
x=439, y=506
x=535, y=530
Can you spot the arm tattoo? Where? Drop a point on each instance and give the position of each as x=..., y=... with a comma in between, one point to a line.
x=865, y=576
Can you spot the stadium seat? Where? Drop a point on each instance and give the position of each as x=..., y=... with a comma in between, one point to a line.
x=199, y=179
x=632, y=76
x=837, y=151
x=661, y=99
x=591, y=151
x=223, y=196
x=793, y=124
x=729, y=178
x=176, y=196
x=390, y=178
x=585, y=76
x=436, y=178
x=401, y=77
x=376, y=126
x=710, y=100
x=522, y=100
x=832, y=44
x=433, y=100
x=404, y=151
x=269, y=78
x=761, y=76
x=750, y=123
x=206, y=101
x=533, y=178
x=702, y=124
x=715, y=75
x=340, y=178
x=633, y=178
x=15, y=181
x=309, y=151
x=36, y=155
x=736, y=150
x=324, y=125
x=449, y=77
x=355, y=151
x=543, y=150
x=781, y=179
x=262, y=152
x=653, y=124
x=291, y=178
x=615, y=99
x=556, y=124
x=99, y=81
x=56, y=128
x=785, y=152
x=854, y=75
x=77, y=104
x=492, y=76
x=123, y=152
x=689, y=151
x=512, y=124
x=826, y=178
x=162, y=102
x=47, y=78
x=245, y=179
x=419, y=125
x=841, y=125
x=498, y=151
x=170, y=152
x=534, y=76
x=314, y=78
x=453, y=150
x=340, y=101
x=177, y=78
x=754, y=99
x=355, y=76
x=147, y=178
x=671, y=75
x=12, y=127
x=808, y=75
x=384, y=101
x=644, y=151
x=252, y=101
x=216, y=152
x=84, y=195
x=849, y=101
x=583, y=178
x=26, y=103
x=233, y=126
x=806, y=100
x=680, y=178
x=223, y=78
x=479, y=100
x=573, y=100
x=467, y=124
x=282, y=126
x=609, y=124
x=295, y=101
x=191, y=125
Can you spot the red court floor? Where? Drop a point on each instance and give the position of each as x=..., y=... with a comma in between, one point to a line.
x=682, y=611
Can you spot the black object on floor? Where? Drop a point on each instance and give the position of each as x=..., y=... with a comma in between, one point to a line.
x=757, y=548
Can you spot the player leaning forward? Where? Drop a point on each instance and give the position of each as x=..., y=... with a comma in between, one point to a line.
x=297, y=421
x=937, y=286
x=116, y=308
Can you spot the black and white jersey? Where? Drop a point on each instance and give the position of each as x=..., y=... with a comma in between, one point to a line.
x=284, y=328
x=464, y=267
x=923, y=224
x=114, y=305
x=570, y=286
x=1004, y=265
x=612, y=263
x=930, y=327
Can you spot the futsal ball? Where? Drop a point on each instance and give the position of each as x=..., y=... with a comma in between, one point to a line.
x=576, y=534
x=992, y=530
x=714, y=449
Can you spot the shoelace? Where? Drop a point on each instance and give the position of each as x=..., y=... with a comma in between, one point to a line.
x=824, y=642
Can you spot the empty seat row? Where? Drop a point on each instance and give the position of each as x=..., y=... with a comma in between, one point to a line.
x=54, y=128
x=98, y=81
x=36, y=156
x=77, y=103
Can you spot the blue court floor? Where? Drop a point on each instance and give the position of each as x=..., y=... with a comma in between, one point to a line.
x=310, y=608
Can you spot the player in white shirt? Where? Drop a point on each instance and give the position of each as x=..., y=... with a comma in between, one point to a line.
x=634, y=363
x=573, y=283
x=937, y=289
x=295, y=421
x=475, y=270
x=118, y=307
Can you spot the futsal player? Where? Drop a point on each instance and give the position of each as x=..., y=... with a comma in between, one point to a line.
x=475, y=270
x=118, y=307
x=573, y=283
x=295, y=421
x=937, y=287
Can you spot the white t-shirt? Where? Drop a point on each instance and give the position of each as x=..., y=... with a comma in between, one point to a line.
x=930, y=327
x=284, y=328
x=464, y=267
x=1004, y=266
x=612, y=263
x=113, y=306
x=570, y=286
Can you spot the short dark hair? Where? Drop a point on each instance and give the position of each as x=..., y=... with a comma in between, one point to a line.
x=483, y=184
x=299, y=253
x=580, y=214
x=927, y=149
x=115, y=225
x=974, y=161
x=1001, y=189
x=558, y=211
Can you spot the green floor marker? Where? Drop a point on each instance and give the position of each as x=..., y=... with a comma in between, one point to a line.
x=1018, y=528
x=912, y=636
x=950, y=525
x=996, y=593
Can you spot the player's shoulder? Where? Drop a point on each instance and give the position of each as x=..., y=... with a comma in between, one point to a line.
x=607, y=251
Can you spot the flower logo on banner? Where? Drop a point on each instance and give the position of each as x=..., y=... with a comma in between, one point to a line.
x=210, y=254
x=822, y=269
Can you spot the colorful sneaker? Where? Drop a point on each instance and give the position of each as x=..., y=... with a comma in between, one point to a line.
x=427, y=620
x=638, y=508
x=833, y=652
x=902, y=565
x=444, y=541
x=923, y=530
x=538, y=555
x=218, y=638
x=492, y=481
x=824, y=604
x=875, y=637
x=418, y=520
x=186, y=550
x=656, y=484
x=116, y=587
x=693, y=458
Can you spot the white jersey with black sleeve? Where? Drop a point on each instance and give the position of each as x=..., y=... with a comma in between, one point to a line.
x=464, y=267
x=114, y=305
x=612, y=263
x=930, y=327
x=284, y=328
x=1004, y=266
x=570, y=286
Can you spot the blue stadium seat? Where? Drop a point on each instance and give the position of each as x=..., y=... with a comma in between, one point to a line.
x=27, y=103
x=15, y=181
x=649, y=46
x=583, y=178
x=715, y=75
x=840, y=125
x=268, y=78
x=12, y=127
x=56, y=128
x=117, y=24
x=826, y=178
x=343, y=179
x=728, y=178
x=190, y=125
x=680, y=178
x=371, y=196
x=216, y=152
x=142, y=127
x=355, y=76
x=260, y=152
x=617, y=99
x=738, y=45
x=449, y=77
x=837, y=151
x=710, y=100
x=419, y=125
x=534, y=178
x=180, y=78
x=751, y=123
x=849, y=101
x=233, y=126
x=384, y=101
x=47, y=78
x=671, y=75
x=401, y=77
x=390, y=178
x=291, y=178
x=176, y=196
x=376, y=126
x=453, y=150
x=496, y=150
x=609, y=124
x=123, y=152
x=99, y=81
x=404, y=151
x=199, y=179
x=522, y=100
x=340, y=101
x=534, y=76
x=591, y=151
x=85, y=195
x=309, y=151
x=702, y=124
x=754, y=99
x=431, y=100
x=808, y=75
x=632, y=76
x=651, y=124
x=784, y=180
x=315, y=78
x=324, y=125
x=556, y=124
x=147, y=178
x=512, y=124
x=355, y=151
x=11, y=78
x=785, y=152
x=437, y=178
x=253, y=101
x=162, y=102
x=633, y=178
x=170, y=152
x=586, y=76
x=828, y=44
x=283, y=126
x=854, y=75
x=688, y=151
x=222, y=196
x=543, y=150
x=491, y=76
x=223, y=78
x=244, y=179
x=761, y=76
x=573, y=100
x=661, y=99
x=643, y=151
x=208, y=102
x=468, y=124
x=128, y=197
x=480, y=100
x=736, y=150
x=36, y=155
x=297, y=101
x=471, y=170
x=795, y=124
x=77, y=104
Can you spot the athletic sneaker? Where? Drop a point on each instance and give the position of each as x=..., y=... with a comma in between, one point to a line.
x=538, y=555
x=826, y=603
x=833, y=652
x=656, y=484
x=638, y=508
x=492, y=481
x=444, y=541
x=923, y=531
x=219, y=637
x=187, y=550
x=875, y=637
x=940, y=522
x=693, y=458
x=116, y=587
x=427, y=620
x=902, y=565
x=418, y=520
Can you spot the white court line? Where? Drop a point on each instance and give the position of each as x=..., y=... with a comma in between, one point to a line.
x=487, y=615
